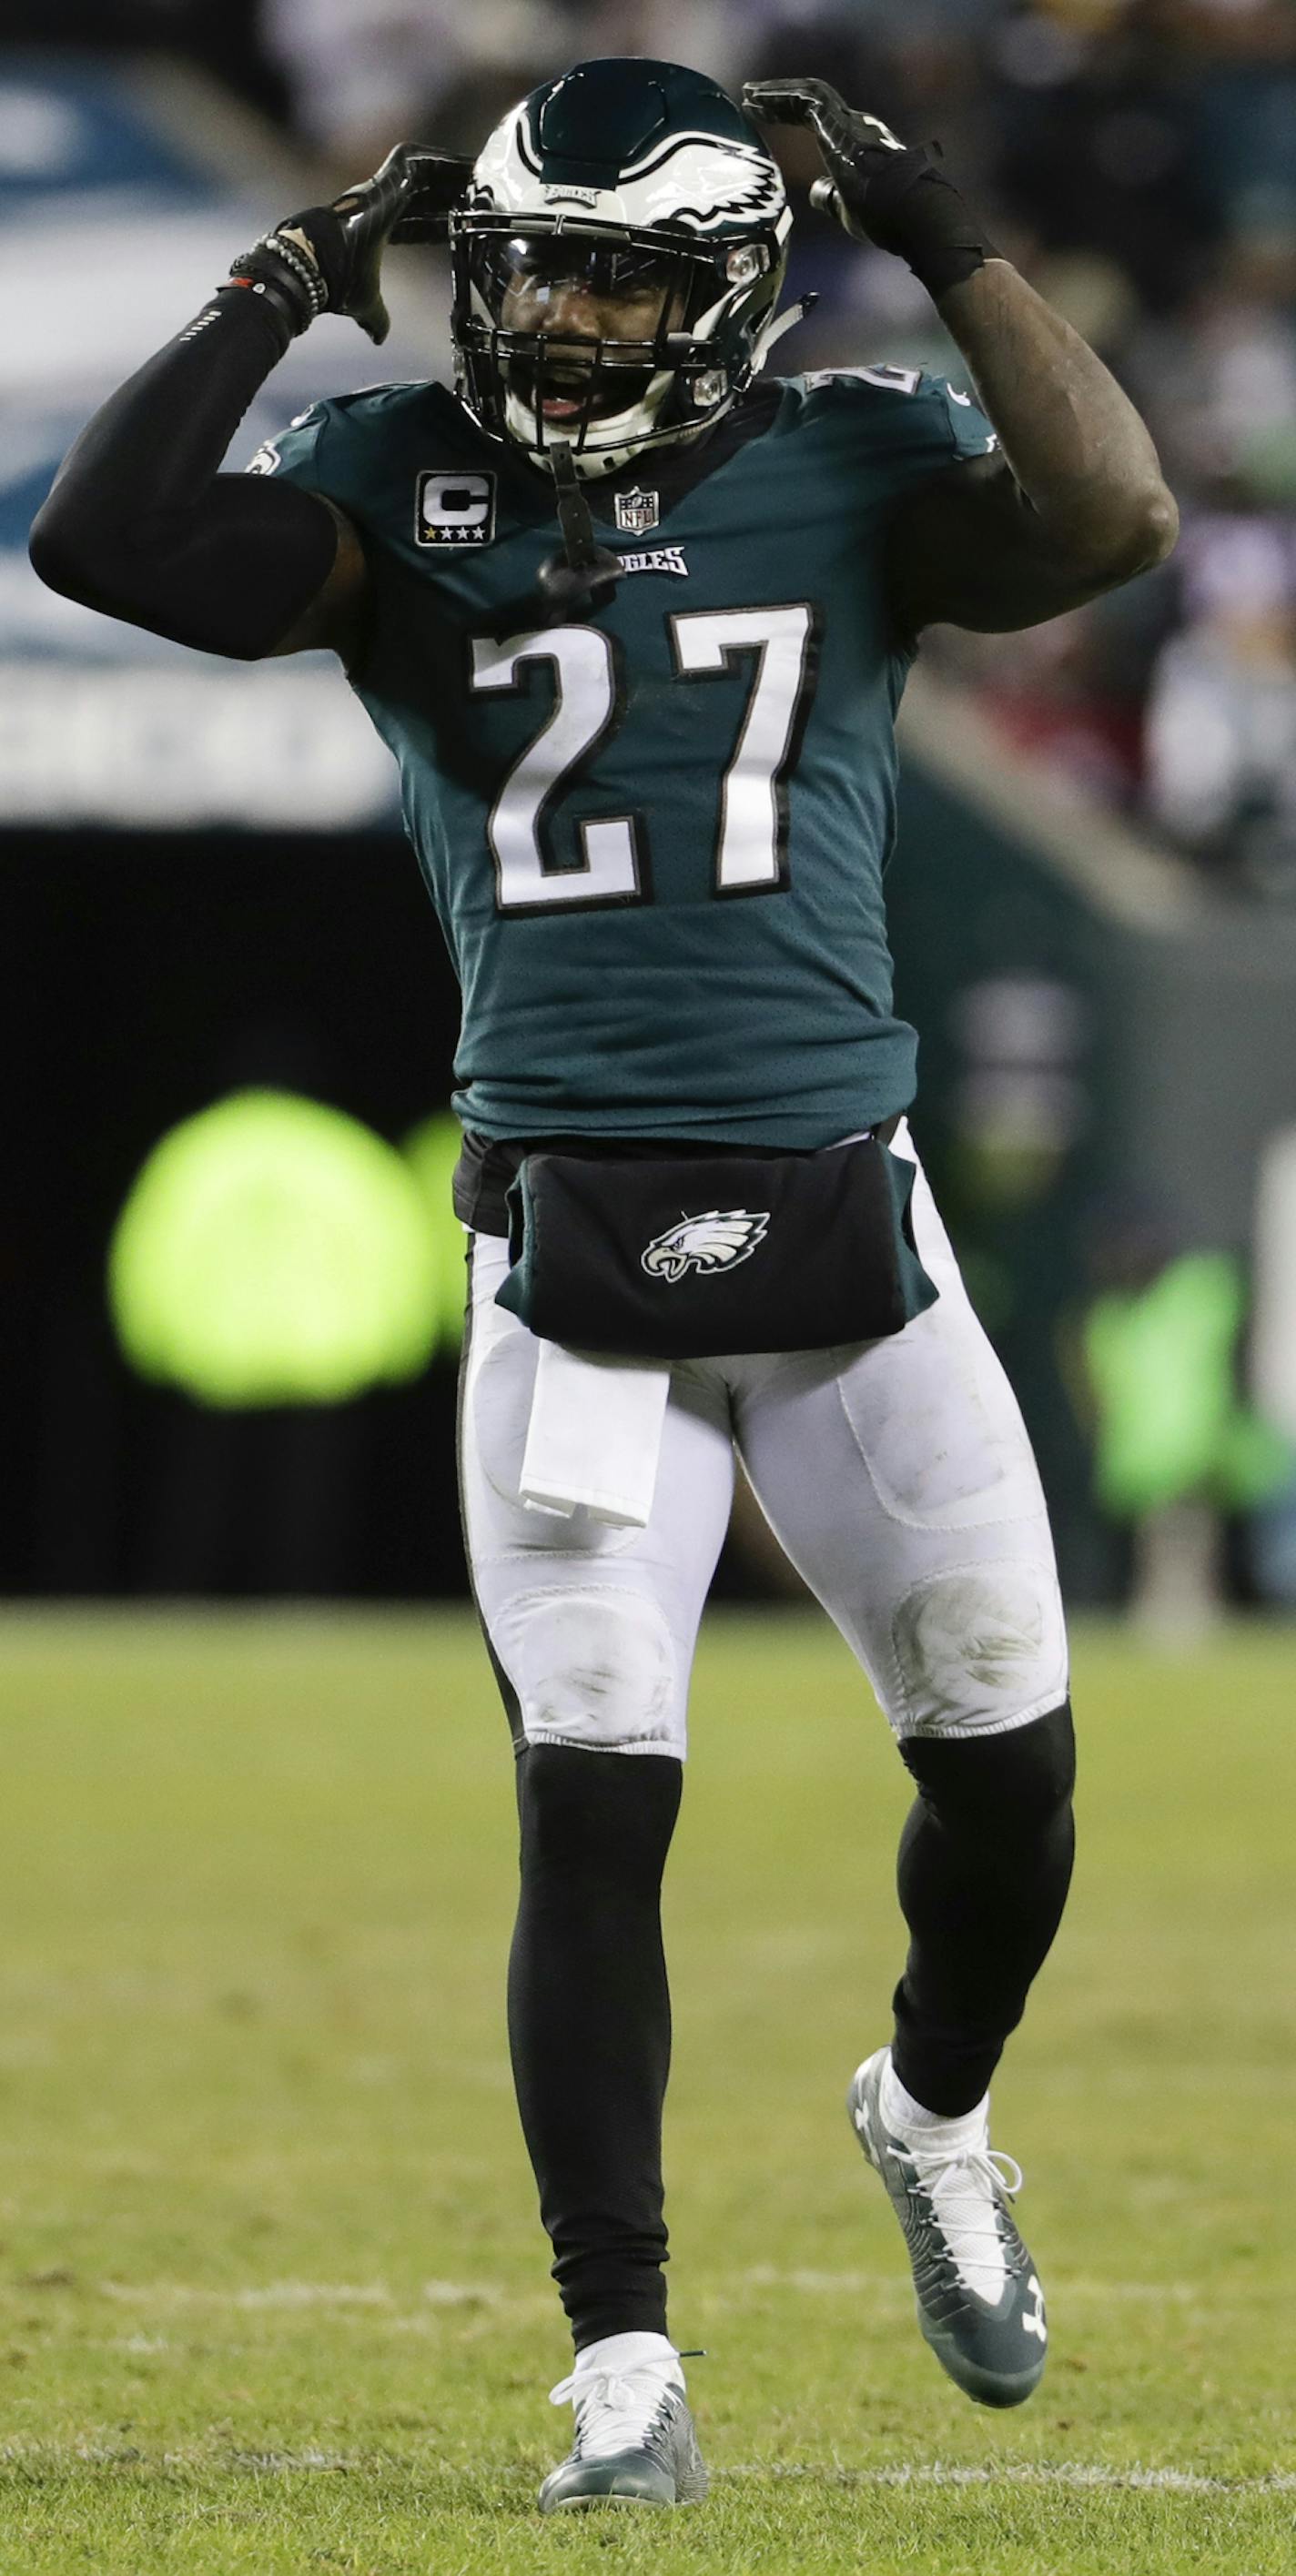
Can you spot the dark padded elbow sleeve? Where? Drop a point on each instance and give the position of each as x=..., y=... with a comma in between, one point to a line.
x=140, y=523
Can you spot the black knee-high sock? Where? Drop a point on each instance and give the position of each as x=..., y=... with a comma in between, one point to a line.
x=985, y=1864
x=589, y=2023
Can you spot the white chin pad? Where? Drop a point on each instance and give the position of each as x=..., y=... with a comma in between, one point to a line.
x=611, y=441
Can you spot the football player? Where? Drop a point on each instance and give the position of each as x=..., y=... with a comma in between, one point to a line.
x=634, y=619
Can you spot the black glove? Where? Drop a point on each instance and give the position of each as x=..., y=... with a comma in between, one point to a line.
x=327, y=260
x=880, y=189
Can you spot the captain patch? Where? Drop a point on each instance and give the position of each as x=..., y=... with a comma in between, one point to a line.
x=455, y=509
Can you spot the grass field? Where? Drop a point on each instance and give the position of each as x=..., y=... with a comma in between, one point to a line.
x=272, y=2294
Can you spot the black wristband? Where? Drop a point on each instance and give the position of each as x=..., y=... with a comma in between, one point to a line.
x=263, y=296
x=287, y=282
x=915, y=211
x=302, y=283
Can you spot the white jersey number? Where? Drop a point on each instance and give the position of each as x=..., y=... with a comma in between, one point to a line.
x=751, y=851
x=585, y=712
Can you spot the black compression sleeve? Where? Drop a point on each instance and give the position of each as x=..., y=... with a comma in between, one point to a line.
x=589, y=2023
x=985, y=1864
x=141, y=524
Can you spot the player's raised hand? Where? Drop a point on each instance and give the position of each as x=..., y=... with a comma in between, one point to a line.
x=880, y=189
x=856, y=148
x=436, y=183
x=327, y=260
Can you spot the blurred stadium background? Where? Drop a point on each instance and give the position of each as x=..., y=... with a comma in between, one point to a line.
x=209, y=1390
x=264, y=2211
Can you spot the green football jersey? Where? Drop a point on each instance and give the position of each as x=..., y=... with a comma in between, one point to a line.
x=655, y=839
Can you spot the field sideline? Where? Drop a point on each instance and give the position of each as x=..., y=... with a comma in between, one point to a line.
x=272, y=2293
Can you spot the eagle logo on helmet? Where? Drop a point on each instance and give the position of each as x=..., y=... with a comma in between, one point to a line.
x=716, y=1241
x=758, y=191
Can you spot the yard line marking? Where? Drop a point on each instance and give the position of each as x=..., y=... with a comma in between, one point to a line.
x=803, y=2280
x=289, y=2295
x=284, y=2463
x=1081, y=2474
x=1183, y=2293
x=265, y=2294
x=468, y=2294
x=767, y=2276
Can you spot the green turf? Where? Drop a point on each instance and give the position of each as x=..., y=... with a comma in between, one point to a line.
x=272, y=2295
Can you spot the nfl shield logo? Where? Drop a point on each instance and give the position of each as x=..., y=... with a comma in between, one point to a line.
x=637, y=511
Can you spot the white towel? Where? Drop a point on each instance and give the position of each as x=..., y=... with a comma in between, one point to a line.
x=594, y=1436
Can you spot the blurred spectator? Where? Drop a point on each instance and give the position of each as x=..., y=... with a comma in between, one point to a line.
x=362, y=73
x=1095, y=140
x=1222, y=717
x=1218, y=378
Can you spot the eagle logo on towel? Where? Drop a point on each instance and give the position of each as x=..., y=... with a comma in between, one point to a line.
x=706, y=1243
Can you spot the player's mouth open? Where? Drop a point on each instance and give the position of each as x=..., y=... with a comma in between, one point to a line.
x=567, y=396
x=561, y=393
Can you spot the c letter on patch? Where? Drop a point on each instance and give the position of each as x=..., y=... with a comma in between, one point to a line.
x=455, y=509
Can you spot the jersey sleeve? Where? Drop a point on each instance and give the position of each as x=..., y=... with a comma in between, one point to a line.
x=969, y=431
x=360, y=450
x=296, y=454
x=901, y=423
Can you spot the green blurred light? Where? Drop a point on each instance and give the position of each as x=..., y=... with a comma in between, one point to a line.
x=1161, y=1364
x=275, y=1251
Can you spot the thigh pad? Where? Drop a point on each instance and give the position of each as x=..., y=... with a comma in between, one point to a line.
x=978, y=1648
x=591, y=1665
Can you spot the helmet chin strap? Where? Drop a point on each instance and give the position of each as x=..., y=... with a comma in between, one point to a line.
x=782, y=322
x=584, y=576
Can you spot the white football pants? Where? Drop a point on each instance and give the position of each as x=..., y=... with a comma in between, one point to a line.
x=897, y=1475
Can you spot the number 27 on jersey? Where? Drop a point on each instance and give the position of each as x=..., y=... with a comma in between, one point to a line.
x=751, y=805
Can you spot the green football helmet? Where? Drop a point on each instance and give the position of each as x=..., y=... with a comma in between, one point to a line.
x=630, y=192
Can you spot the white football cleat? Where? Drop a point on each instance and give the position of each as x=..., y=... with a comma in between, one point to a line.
x=635, y=2439
x=980, y=2304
